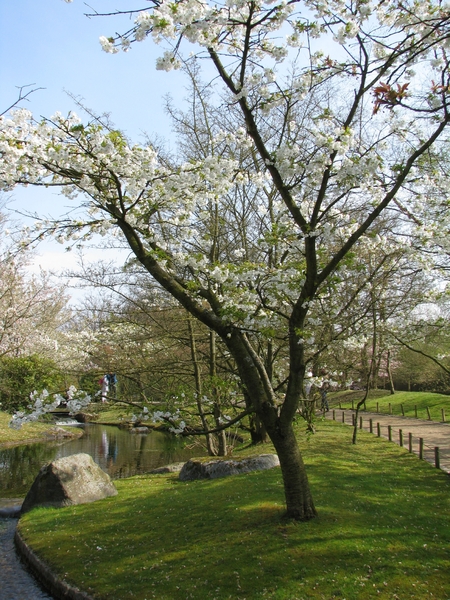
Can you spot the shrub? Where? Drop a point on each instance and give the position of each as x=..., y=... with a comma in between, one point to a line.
x=21, y=375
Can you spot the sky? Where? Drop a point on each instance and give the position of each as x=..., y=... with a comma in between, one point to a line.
x=52, y=45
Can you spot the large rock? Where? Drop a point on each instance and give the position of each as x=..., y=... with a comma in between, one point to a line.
x=172, y=468
x=212, y=469
x=74, y=479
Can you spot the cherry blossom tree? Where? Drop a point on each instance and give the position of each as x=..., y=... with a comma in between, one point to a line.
x=338, y=105
x=33, y=309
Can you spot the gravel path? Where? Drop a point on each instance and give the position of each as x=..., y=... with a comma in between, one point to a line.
x=433, y=434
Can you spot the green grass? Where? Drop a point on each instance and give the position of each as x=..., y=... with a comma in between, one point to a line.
x=383, y=531
x=31, y=432
x=410, y=400
x=111, y=414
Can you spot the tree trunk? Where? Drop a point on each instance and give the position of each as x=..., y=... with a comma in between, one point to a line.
x=389, y=371
x=198, y=386
x=258, y=432
x=299, y=502
x=217, y=409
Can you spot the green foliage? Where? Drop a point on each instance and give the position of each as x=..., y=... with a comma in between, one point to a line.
x=21, y=375
x=89, y=382
x=383, y=532
x=416, y=372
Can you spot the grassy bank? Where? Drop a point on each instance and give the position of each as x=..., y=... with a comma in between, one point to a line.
x=31, y=432
x=383, y=532
x=409, y=400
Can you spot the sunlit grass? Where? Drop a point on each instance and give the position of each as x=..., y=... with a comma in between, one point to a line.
x=409, y=400
x=31, y=432
x=383, y=531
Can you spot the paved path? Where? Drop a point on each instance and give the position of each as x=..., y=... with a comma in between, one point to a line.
x=15, y=581
x=433, y=434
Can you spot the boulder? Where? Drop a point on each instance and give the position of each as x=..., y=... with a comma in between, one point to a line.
x=84, y=417
x=211, y=469
x=74, y=479
x=58, y=433
x=173, y=468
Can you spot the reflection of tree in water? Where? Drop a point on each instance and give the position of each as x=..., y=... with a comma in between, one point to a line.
x=118, y=452
x=20, y=465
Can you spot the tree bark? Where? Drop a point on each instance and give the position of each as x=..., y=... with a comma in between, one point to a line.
x=389, y=371
x=299, y=502
x=198, y=386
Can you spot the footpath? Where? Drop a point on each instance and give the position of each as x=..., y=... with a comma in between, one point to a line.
x=404, y=431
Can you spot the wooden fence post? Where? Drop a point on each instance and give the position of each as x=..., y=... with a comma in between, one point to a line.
x=410, y=441
x=334, y=414
x=403, y=410
x=428, y=413
x=378, y=407
x=371, y=425
x=390, y=432
x=390, y=408
x=400, y=436
x=437, y=461
x=378, y=430
x=360, y=422
x=443, y=414
x=415, y=410
x=421, y=448
x=343, y=416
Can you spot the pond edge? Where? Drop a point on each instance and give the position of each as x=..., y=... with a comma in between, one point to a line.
x=58, y=588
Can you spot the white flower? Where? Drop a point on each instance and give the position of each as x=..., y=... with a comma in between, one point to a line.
x=107, y=45
x=167, y=62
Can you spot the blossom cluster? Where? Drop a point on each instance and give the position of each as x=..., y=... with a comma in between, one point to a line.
x=43, y=402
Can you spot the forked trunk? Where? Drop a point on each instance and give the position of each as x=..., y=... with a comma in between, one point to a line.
x=299, y=502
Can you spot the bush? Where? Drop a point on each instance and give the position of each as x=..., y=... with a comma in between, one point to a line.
x=19, y=376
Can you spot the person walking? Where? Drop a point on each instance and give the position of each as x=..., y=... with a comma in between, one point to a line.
x=323, y=394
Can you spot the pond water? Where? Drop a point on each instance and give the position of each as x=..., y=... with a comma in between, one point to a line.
x=117, y=451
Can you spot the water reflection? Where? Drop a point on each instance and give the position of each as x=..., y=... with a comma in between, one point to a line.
x=118, y=452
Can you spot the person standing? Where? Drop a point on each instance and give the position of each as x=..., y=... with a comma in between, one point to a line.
x=105, y=388
x=323, y=394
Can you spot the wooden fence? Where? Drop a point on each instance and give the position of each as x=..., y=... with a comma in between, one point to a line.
x=402, y=408
x=401, y=437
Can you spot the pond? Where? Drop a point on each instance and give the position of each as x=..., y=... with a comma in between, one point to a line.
x=117, y=451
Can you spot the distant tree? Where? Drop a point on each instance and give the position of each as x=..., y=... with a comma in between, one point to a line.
x=33, y=309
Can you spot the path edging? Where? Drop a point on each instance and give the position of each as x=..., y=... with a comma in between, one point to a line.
x=60, y=589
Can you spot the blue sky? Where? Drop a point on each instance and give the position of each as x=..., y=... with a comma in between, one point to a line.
x=54, y=46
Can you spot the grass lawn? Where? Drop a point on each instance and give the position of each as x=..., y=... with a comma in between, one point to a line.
x=31, y=432
x=409, y=400
x=383, y=531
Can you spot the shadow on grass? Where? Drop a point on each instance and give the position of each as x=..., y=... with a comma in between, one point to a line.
x=383, y=531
